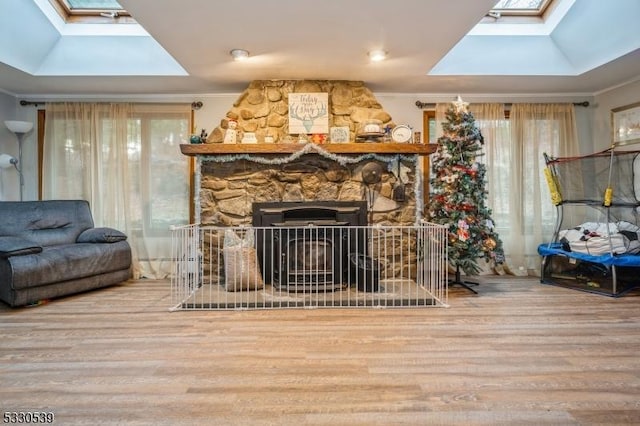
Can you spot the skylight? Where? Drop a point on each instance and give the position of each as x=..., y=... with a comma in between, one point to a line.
x=74, y=11
x=94, y=4
x=553, y=45
x=521, y=7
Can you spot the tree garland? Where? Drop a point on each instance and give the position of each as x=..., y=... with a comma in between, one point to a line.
x=308, y=148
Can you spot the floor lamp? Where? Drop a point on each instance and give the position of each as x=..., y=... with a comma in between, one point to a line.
x=19, y=128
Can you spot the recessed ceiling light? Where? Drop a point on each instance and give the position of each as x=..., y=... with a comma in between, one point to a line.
x=239, y=54
x=377, y=55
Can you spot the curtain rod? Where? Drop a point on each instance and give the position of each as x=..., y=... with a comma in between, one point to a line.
x=194, y=105
x=423, y=105
x=27, y=103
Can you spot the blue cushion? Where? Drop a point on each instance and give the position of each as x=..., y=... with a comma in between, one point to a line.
x=101, y=235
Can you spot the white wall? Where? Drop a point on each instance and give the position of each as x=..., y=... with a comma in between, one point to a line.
x=10, y=109
x=403, y=109
x=604, y=103
x=8, y=177
x=214, y=108
x=593, y=121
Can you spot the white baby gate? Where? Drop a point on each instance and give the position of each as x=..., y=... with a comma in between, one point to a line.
x=308, y=267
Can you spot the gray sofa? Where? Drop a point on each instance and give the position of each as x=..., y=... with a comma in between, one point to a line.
x=50, y=249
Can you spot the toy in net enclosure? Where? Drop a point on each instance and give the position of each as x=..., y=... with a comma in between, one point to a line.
x=596, y=241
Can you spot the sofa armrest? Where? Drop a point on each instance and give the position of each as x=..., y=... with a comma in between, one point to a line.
x=17, y=246
x=101, y=235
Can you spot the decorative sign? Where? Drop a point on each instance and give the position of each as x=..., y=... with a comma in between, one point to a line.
x=339, y=134
x=308, y=113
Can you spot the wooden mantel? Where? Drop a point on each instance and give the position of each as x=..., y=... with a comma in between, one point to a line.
x=290, y=148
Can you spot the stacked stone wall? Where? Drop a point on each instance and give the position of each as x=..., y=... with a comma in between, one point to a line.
x=263, y=108
x=228, y=190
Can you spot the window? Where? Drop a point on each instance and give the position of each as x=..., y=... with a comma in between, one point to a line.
x=501, y=165
x=155, y=175
x=125, y=160
x=520, y=8
x=429, y=125
x=429, y=130
x=518, y=195
x=153, y=148
x=92, y=11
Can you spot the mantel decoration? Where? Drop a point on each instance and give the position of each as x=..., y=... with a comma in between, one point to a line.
x=308, y=148
x=201, y=138
x=308, y=113
x=339, y=134
x=231, y=135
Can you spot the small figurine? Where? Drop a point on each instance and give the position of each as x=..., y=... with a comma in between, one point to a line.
x=231, y=135
x=202, y=138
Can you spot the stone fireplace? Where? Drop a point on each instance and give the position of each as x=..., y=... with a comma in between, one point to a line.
x=310, y=205
x=231, y=177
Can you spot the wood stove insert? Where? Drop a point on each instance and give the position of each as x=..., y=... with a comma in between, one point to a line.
x=305, y=246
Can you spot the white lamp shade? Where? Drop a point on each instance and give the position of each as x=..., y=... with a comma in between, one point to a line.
x=18, y=126
x=6, y=161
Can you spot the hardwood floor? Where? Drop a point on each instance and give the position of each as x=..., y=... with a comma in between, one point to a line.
x=518, y=353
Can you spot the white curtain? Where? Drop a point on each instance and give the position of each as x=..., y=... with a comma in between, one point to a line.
x=513, y=155
x=125, y=160
x=535, y=129
x=491, y=121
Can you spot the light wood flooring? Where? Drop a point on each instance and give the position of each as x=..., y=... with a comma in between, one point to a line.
x=518, y=353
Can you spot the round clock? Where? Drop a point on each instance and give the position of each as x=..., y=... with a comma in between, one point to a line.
x=401, y=133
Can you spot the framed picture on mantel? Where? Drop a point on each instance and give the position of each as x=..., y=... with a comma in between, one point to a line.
x=625, y=123
x=339, y=134
x=308, y=113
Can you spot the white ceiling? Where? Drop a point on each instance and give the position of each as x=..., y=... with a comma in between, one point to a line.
x=435, y=46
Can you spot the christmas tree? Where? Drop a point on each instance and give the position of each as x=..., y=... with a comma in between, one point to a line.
x=458, y=193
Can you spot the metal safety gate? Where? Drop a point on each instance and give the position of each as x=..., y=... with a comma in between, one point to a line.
x=309, y=267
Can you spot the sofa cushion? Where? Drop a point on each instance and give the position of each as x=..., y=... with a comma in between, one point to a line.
x=101, y=235
x=46, y=223
x=16, y=246
x=67, y=262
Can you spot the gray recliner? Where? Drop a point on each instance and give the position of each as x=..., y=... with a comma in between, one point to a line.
x=51, y=248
